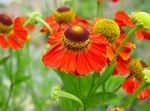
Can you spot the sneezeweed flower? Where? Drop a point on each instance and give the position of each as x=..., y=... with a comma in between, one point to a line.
x=135, y=78
x=136, y=18
x=110, y=30
x=62, y=18
x=117, y=109
x=12, y=33
x=76, y=50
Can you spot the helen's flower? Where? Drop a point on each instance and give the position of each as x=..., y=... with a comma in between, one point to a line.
x=130, y=85
x=64, y=17
x=76, y=50
x=12, y=33
x=124, y=20
x=110, y=30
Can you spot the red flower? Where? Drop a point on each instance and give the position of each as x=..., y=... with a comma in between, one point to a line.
x=115, y=1
x=76, y=51
x=135, y=78
x=131, y=85
x=62, y=22
x=124, y=20
x=12, y=33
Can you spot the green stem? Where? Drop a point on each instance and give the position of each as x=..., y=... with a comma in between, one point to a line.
x=12, y=82
x=72, y=97
x=36, y=17
x=98, y=8
x=41, y=21
x=129, y=35
x=134, y=95
x=27, y=21
x=122, y=2
x=30, y=83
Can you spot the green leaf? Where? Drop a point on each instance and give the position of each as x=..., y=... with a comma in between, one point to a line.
x=4, y=60
x=21, y=79
x=101, y=98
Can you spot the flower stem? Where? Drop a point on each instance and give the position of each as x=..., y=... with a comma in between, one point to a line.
x=35, y=18
x=133, y=96
x=72, y=97
x=98, y=7
x=12, y=82
x=129, y=35
x=41, y=21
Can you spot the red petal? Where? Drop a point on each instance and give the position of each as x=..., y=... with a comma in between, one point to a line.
x=122, y=68
x=129, y=85
x=121, y=16
x=14, y=42
x=54, y=56
x=3, y=41
x=139, y=35
x=19, y=30
x=68, y=63
x=146, y=35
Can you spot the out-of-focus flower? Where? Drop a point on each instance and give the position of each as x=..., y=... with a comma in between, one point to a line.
x=111, y=30
x=64, y=17
x=124, y=20
x=76, y=50
x=117, y=109
x=130, y=85
x=12, y=33
x=115, y=1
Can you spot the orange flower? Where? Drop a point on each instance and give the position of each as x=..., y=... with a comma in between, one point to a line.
x=76, y=50
x=124, y=20
x=63, y=18
x=136, y=67
x=111, y=31
x=12, y=33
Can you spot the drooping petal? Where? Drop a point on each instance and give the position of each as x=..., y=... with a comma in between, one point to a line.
x=53, y=57
x=19, y=30
x=14, y=42
x=123, y=18
x=3, y=41
x=139, y=35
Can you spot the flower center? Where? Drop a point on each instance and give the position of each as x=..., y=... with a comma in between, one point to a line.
x=63, y=9
x=107, y=28
x=64, y=15
x=5, y=23
x=136, y=67
x=76, y=38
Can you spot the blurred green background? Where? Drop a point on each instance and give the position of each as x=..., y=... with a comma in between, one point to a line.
x=35, y=97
